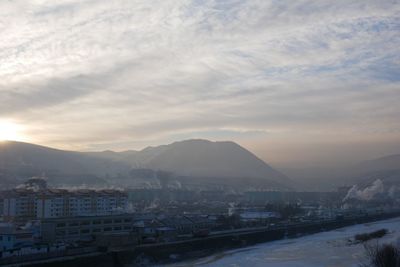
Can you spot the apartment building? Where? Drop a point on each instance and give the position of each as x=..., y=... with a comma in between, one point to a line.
x=63, y=203
x=25, y=204
x=18, y=204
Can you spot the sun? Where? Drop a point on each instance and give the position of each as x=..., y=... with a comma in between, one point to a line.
x=10, y=131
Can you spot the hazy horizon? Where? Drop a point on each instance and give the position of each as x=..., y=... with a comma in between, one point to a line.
x=298, y=84
x=297, y=164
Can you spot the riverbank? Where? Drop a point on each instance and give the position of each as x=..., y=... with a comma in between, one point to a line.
x=164, y=253
x=333, y=249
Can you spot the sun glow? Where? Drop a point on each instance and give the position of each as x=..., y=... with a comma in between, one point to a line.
x=10, y=131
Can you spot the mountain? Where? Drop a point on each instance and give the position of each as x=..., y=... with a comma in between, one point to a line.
x=221, y=159
x=215, y=162
x=198, y=163
x=375, y=180
x=19, y=161
x=391, y=162
x=385, y=168
x=201, y=163
x=326, y=178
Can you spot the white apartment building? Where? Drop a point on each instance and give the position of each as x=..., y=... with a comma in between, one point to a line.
x=80, y=203
x=21, y=204
x=18, y=204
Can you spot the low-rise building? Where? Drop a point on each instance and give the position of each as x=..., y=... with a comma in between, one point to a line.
x=203, y=221
x=263, y=197
x=182, y=224
x=13, y=238
x=85, y=227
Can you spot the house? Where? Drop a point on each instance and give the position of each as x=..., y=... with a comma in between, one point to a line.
x=12, y=238
x=182, y=224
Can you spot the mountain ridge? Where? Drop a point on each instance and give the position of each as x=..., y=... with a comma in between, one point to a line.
x=193, y=161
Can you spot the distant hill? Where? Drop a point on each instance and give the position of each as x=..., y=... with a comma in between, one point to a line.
x=385, y=168
x=187, y=163
x=202, y=158
x=325, y=178
x=376, y=180
x=19, y=161
x=202, y=162
x=391, y=162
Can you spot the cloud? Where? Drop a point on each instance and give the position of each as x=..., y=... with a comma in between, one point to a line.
x=100, y=72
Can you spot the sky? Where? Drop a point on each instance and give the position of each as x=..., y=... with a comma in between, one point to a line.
x=293, y=81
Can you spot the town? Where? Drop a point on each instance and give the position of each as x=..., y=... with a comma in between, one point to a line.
x=40, y=223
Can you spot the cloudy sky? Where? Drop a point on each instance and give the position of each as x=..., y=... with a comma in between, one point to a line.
x=294, y=81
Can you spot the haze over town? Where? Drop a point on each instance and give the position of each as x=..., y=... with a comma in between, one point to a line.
x=185, y=132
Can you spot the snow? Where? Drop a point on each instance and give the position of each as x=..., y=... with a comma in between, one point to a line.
x=323, y=249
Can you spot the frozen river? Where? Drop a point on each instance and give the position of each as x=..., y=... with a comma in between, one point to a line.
x=323, y=249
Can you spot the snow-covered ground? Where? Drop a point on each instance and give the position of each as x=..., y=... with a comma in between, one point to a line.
x=323, y=249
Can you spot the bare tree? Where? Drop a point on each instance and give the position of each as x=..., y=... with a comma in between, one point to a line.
x=386, y=255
